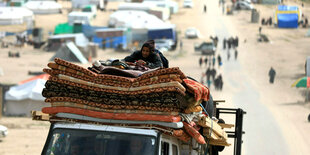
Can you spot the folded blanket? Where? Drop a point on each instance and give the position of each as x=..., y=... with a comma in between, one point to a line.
x=116, y=116
x=54, y=89
x=136, y=92
x=123, y=110
x=176, y=125
x=200, y=91
x=111, y=101
x=194, y=133
x=182, y=135
x=147, y=87
x=104, y=106
x=108, y=82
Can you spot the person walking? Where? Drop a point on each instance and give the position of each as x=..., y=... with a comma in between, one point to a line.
x=213, y=73
x=229, y=43
x=219, y=60
x=181, y=45
x=236, y=41
x=208, y=75
x=224, y=43
x=213, y=61
x=236, y=54
x=200, y=61
x=206, y=61
x=272, y=75
x=205, y=8
x=220, y=82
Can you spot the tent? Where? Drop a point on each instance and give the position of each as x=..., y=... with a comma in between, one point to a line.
x=80, y=17
x=15, y=15
x=55, y=41
x=21, y=99
x=70, y=52
x=287, y=16
x=44, y=7
x=82, y=3
x=136, y=20
x=151, y=8
x=171, y=5
x=269, y=2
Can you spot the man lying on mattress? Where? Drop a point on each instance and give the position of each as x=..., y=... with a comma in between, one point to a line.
x=145, y=57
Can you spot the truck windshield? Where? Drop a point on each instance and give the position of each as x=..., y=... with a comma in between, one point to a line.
x=86, y=142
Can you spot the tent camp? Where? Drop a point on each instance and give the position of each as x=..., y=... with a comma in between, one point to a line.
x=70, y=52
x=21, y=99
x=287, y=16
x=43, y=7
x=15, y=16
x=55, y=41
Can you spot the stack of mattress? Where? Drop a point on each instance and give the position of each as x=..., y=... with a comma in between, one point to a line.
x=160, y=98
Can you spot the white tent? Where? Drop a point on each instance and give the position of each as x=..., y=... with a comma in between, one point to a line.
x=80, y=17
x=15, y=15
x=21, y=99
x=171, y=5
x=44, y=7
x=136, y=20
x=82, y=3
x=150, y=8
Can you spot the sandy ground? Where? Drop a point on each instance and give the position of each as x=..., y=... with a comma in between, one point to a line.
x=275, y=122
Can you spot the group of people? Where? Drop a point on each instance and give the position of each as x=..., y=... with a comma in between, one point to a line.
x=267, y=22
x=211, y=76
x=209, y=61
x=231, y=43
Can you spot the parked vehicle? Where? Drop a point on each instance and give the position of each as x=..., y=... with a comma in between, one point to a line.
x=191, y=32
x=163, y=43
x=188, y=4
x=3, y=131
x=206, y=48
x=243, y=5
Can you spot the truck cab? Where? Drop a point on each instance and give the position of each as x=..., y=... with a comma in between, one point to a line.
x=78, y=138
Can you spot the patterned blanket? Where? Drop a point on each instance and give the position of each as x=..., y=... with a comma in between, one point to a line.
x=124, y=110
x=111, y=107
x=200, y=91
x=146, y=87
x=147, y=91
x=116, y=116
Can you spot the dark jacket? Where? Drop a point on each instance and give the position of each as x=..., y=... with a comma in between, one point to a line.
x=152, y=61
x=164, y=60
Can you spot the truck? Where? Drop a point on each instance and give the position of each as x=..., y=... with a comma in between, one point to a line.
x=80, y=126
